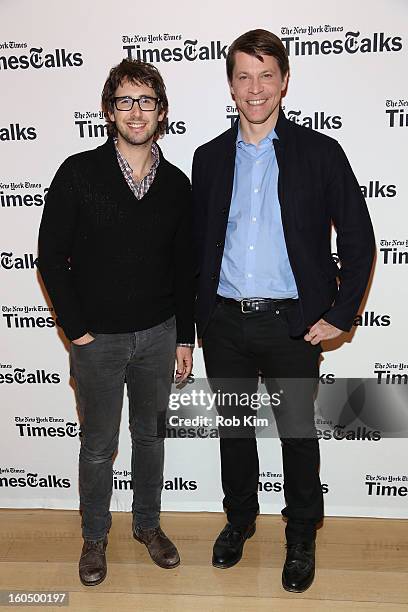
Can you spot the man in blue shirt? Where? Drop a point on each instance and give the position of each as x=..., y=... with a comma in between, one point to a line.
x=265, y=194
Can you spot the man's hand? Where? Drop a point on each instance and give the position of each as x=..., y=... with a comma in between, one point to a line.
x=322, y=331
x=184, y=359
x=85, y=339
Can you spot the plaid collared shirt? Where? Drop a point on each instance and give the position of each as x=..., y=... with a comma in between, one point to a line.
x=139, y=188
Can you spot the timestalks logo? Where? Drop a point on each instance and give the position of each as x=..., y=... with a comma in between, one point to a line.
x=14, y=131
x=33, y=480
x=351, y=43
x=9, y=261
x=339, y=432
x=392, y=253
x=14, y=320
x=21, y=200
x=175, y=484
x=317, y=120
x=397, y=113
x=20, y=376
x=276, y=486
x=191, y=51
x=36, y=58
x=385, y=377
x=376, y=485
x=68, y=430
x=88, y=129
x=374, y=189
x=371, y=319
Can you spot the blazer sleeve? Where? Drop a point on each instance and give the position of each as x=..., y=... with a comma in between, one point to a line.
x=355, y=239
x=56, y=238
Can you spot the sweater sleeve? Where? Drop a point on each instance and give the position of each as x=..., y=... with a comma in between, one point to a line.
x=56, y=238
x=184, y=269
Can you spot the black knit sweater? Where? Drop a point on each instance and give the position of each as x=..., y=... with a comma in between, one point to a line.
x=112, y=263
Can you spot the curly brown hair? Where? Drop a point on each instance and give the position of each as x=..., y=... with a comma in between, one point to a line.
x=135, y=72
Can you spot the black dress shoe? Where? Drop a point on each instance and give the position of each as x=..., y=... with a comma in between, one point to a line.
x=92, y=564
x=299, y=569
x=228, y=546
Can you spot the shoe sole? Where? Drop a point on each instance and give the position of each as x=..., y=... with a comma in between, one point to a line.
x=228, y=565
x=154, y=560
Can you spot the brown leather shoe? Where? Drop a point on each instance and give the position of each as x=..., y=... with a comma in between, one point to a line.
x=161, y=549
x=92, y=564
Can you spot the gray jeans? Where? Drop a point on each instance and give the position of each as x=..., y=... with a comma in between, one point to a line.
x=144, y=360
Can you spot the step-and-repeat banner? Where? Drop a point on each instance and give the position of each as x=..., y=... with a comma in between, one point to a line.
x=348, y=65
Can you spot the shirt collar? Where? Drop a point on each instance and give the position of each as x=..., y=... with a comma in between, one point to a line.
x=129, y=169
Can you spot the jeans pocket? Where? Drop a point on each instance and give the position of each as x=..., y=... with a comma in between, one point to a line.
x=83, y=346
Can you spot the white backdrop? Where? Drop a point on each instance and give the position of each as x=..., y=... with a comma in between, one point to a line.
x=348, y=67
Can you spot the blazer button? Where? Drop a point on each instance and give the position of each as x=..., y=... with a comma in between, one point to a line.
x=213, y=277
x=218, y=244
x=224, y=210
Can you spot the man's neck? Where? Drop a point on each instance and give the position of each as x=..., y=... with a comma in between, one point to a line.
x=253, y=133
x=139, y=157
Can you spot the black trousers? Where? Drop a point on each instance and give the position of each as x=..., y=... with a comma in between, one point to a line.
x=236, y=347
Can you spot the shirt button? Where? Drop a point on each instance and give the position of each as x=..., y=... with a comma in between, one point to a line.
x=258, y=161
x=251, y=248
x=253, y=219
x=256, y=190
x=249, y=275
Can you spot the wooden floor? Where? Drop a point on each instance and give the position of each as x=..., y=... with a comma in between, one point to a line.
x=361, y=565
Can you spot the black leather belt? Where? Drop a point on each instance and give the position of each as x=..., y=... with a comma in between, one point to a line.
x=258, y=304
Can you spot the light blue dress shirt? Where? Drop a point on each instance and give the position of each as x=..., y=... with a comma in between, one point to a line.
x=255, y=260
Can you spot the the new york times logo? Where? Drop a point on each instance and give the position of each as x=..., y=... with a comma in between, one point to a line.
x=28, y=194
x=351, y=42
x=397, y=113
x=122, y=482
x=391, y=373
x=372, y=319
x=394, y=252
x=274, y=484
x=37, y=58
x=45, y=427
x=14, y=131
x=9, y=261
x=190, y=50
x=376, y=189
x=15, y=477
x=14, y=319
x=22, y=376
x=327, y=431
x=376, y=485
x=92, y=125
x=317, y=120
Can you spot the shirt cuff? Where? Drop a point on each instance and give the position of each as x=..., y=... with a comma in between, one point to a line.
x=185, y=344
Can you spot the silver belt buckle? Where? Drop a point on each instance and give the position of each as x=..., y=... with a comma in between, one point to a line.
x=243, y=307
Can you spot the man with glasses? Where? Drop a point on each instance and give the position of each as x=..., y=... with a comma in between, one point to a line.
x=115, y=257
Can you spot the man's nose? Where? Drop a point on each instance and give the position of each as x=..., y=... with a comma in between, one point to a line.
x=255, y=85
x=136, y=112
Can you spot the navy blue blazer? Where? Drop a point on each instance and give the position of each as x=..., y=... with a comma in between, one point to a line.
x=317, y=188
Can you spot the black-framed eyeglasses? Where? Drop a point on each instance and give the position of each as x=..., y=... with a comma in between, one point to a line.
x=146, y=103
